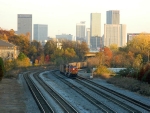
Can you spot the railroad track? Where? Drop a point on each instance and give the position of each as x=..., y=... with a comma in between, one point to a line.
x=129, y=99
x=66, y=107
x=104, y=108
x=39, y=98
x=126, y=107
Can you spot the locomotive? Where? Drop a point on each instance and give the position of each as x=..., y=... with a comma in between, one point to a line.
x=71, y=69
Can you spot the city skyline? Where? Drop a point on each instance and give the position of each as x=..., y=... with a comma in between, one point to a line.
x=62, y=15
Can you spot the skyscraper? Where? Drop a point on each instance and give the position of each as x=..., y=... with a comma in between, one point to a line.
x=114, y=32
x=95, y=30
x=25, y=24
x=40, y=32
x=113, y=17
x=80, y=31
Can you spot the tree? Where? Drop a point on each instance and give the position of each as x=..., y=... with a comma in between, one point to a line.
x=35, y=50
x=137, y=62
x=118, y=60
x=32, y=53
x=140, y=44
x=21, y=56
x=38, y=46
x=67, y=44
x=69, y=52
x=21, y=41
x=5, y=37
x=82, y=49
x=107, y=56
x=4, y=34
x=47, y=59
x=23, y=60
x=93, y=62
x=50, y=47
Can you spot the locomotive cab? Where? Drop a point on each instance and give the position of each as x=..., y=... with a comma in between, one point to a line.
x=73, y=71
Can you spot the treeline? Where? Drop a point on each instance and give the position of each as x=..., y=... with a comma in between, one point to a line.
x=38, y=54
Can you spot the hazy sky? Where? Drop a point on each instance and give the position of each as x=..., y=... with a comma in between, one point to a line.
x=61, y=16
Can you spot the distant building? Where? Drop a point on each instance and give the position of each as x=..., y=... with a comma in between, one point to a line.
x=114, y=34
x=40, y=32
x=80, y=31
x=25, y=24
x=130, y=36
x=64, y=36
x=113, y=17
x=8, y=51
x=88, y=37
x=95, y=30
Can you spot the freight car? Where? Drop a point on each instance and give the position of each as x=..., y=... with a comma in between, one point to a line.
x=79, y=65
x=71, y=69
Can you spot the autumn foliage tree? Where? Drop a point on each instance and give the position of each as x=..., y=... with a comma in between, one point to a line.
x=5, y=34
x=23, y=60
x=140, y=44
x=108, y=56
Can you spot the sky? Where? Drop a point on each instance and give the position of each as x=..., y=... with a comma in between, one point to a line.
x=61, y=16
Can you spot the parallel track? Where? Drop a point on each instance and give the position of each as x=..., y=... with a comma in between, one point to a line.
x=108, y=97
x=100, y=105
x=129, y=99
x=41, y=101
x=67, y=107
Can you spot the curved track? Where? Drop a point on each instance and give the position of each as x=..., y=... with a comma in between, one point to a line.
x=41, y=101
x=67, y=107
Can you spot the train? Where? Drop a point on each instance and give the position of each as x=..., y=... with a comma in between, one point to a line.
x=71, y=69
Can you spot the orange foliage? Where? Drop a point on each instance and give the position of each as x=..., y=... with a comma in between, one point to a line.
x=47, y=58
x=108, y=56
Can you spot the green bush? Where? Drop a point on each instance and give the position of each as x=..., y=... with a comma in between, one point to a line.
x=2, y=69
x=129, y=72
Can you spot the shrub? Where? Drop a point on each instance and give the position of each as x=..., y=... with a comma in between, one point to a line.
x=129, y=72
x=23, y=60
x=2, y=69
x=146, y=77
x=103, y=71
x=143, y=70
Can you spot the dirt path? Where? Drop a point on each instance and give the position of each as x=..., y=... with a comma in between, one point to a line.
x=11, y=97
